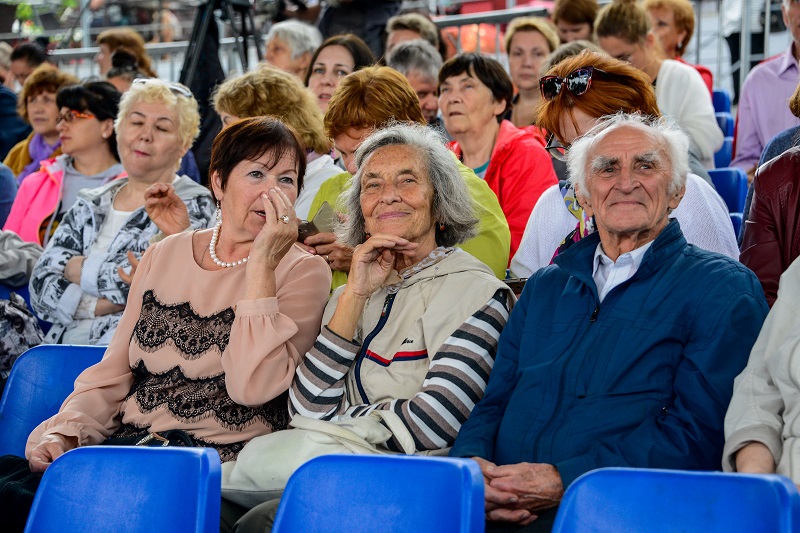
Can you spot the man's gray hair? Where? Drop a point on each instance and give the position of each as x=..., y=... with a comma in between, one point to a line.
x=302, y=38
x=452, y=204
x=417, y=55
x=673, y=141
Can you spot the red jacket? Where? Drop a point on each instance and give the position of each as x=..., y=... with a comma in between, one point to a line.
x=771, y=238
x=519, y=172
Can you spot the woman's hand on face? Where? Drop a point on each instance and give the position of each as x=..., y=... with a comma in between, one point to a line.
x=276, y=237
x=73, y=268
x=337, y=254
x=166, y=209
x=373, y=261
x=50, y=448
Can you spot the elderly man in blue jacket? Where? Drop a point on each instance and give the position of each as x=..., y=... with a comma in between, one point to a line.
x=622, y=353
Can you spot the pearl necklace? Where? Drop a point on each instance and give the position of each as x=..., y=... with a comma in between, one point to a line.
x=212, y=250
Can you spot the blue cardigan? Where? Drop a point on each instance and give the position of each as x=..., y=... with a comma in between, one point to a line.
x=643, y=379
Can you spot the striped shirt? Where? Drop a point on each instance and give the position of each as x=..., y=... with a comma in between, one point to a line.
x=455, y=382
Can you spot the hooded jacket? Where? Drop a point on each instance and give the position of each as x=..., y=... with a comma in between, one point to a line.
x=519, y=172
x=56, y=300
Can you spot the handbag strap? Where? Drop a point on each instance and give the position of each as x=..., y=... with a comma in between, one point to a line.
x=398, y=429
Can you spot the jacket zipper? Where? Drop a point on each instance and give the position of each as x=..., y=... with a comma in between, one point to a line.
x=387, y=308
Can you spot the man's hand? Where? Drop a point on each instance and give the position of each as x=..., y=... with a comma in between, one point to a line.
x=516, y=493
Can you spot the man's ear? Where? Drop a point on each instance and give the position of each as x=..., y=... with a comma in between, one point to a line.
x=675, y=199
x=584, y=201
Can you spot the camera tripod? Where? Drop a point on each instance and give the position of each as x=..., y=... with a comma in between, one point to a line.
x=205, y=16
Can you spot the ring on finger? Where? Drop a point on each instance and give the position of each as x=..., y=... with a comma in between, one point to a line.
x=328, y=259
x=284, y=219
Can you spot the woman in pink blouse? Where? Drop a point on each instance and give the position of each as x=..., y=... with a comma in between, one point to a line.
x=216, y=322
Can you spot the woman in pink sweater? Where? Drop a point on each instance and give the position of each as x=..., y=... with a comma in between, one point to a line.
x=216, y=322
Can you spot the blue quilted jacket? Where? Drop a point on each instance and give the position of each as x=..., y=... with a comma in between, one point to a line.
x=642, y=379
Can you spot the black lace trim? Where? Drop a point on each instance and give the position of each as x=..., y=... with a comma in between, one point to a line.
x=190, y=400
x=177, y=324
x=227, y=452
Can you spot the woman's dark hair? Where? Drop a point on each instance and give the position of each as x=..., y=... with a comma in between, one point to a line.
x=124, y=65
x=490, y=72
x=250, y=139
x=32, y=53
x=99, y=98
x=362, y=55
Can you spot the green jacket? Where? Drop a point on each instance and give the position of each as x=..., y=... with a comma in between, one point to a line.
x=491, y=245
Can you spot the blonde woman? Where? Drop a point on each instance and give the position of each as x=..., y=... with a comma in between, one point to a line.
x=269, y=91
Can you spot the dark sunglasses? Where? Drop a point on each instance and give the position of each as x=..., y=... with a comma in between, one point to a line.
x=556, y=149
x=176, y=88
x=576, y=82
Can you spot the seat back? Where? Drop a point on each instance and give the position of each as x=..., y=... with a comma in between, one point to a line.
x=723, y=156
x=129, y=489
x=726, y=123
x=40, y=381
x=736, y=220
x=721, y=99
x=347, y=493
x=656, y=501
x=731, y=184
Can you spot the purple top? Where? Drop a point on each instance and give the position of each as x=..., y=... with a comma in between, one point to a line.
x=764, y=107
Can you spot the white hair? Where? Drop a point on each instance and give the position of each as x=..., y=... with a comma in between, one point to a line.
x=671, y=139
x=302, y=38
x=451, y=205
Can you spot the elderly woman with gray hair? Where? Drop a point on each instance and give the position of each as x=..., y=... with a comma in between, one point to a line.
x=393, y=336
x=415, y=329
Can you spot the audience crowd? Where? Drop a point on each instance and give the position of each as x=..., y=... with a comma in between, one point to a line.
x=526, y=266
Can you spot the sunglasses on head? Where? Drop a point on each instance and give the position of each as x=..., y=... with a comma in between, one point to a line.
x=576, y=82
x=176, y=88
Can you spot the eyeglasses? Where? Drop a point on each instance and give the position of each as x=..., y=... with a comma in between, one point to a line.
x=176, y=88
x=71, y=115
x=556, y=149
x=576, y=82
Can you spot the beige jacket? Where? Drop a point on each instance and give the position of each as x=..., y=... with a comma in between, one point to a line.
x=765, y=406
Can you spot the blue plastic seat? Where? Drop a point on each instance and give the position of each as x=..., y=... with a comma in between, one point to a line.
x=128, y=489
x=665, y=501
x=725, y=121
x=736, y=220
x=723, y=156
x=40, y=381
x=390, y=494
x=5, y=292
x=721, y=100
x=731, y=184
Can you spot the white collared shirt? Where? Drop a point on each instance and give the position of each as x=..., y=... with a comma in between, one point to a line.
x=608, y=274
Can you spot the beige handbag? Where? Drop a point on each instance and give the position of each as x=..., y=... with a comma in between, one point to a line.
x=265, y=464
